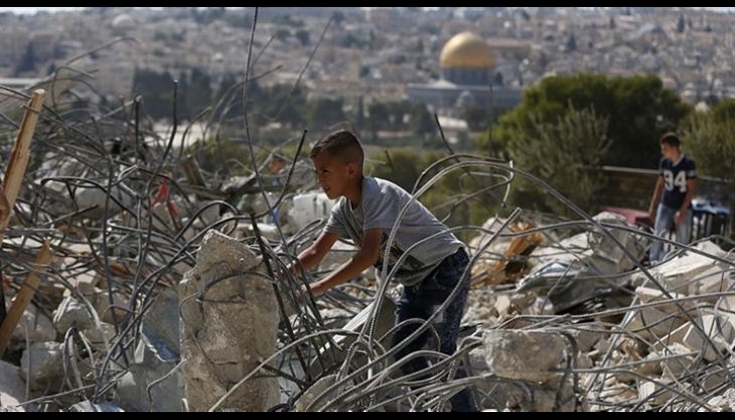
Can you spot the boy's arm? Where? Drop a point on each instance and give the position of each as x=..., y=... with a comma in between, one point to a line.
x=691, y=190
x=656, y=199
x=315, y=253
x=366, y=257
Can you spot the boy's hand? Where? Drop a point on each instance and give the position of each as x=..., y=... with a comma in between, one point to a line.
x=680, y=217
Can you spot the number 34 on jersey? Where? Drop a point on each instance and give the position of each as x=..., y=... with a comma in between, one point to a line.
x=680, y=181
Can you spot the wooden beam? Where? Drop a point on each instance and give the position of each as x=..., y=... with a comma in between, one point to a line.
x=24, y=296
x=19, y=157
x=16, y=171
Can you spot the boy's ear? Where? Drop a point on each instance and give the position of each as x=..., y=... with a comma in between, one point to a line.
x=352, y=169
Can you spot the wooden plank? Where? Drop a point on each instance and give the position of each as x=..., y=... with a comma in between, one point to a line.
x=24, y=296
x=16, y=171
x=19, y=157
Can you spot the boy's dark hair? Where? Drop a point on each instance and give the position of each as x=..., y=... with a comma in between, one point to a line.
x=671, y=139
x=342, y=144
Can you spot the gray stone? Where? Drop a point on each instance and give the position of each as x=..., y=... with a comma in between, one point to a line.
x=105, y=310
x=151, y=363
x=155, y=357
x=587, y=339
x=12, y=388
x=315, y=391
x=725, y=402
x=605, y=248
x=46, y=363
x=161, y=322
x=100, y=337
x=657, y=395
x=38, y=325
x=531, y=356
x=651, y=324
x=229, y=325
x=720, y=331
x=72, y=312
x=682, y=364
x=677, y=273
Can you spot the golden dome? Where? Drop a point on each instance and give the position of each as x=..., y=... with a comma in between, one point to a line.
x=467, y=50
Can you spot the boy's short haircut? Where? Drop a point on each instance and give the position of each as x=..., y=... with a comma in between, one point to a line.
x=342, y=144
x=670, y=139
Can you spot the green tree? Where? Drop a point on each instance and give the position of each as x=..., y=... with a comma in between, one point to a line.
x=563, y=154
x=378, y=119
x=199, y=95
x=324, y=112
x=27, y=63
x=680, y=24
x=157, y=92
x=710, y=138
x=396, y=111
x=639, y=111
x=477, y=117
x=422, y=122
x=303, y=36
x=282, y=34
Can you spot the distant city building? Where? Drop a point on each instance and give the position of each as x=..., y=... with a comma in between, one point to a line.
x=468, y=78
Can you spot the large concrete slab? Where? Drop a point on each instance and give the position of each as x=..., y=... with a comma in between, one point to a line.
x=229, y=321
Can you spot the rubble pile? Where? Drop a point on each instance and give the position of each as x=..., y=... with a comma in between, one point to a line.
x=585, y=318
x=138, y=281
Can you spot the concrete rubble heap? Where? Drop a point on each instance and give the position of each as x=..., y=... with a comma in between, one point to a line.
x=164, y=289
x=631, y=343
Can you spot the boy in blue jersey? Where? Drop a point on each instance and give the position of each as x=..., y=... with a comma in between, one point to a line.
x=672, y=199
x=367, y=211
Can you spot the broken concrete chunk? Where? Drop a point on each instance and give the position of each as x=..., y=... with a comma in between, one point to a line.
x=530, y=356
x=716, y=279
x=12, y=388
x=683, y=362
x=650, y=323
x=38, y=326
x=656, y=394
x=677, y=336
x=677, y=274
x=100, y=338
x=72, y=312
x=150, y=365
x=105, y=309
x=725, y=402
x=235, y=316
x=46, y=363
x=720, y=331
x=650, y=295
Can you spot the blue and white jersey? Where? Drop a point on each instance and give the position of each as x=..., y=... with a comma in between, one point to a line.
x=676, y=174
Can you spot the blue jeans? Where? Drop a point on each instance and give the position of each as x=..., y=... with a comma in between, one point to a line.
x=665, y=217
x=421, y=301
